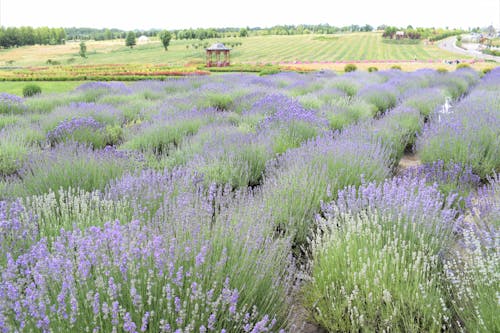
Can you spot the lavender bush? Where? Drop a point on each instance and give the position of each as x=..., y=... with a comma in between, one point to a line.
x=13, y=151
x=11, y=104
x=165, y=133
x=198, y=273
x=469, y=135
x=322, y=166
x=376, y=262
x=85, y=131
x=72, y=165
x=225, y=184
x=452, y=179
x=473, y=268
x=236, y=159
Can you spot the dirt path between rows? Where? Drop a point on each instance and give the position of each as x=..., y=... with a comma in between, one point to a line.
x=409, y=160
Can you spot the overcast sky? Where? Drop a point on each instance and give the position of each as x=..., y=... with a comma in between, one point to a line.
x=177, y=14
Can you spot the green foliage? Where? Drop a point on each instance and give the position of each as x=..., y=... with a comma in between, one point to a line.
x=425, y=103
x=238, y=167
x=292, y=135
x=404, y=41
x=351, y=112
x=97, y=139
x=243, y=32
x=442, y=70
x=72, y=167
x=372, y=69
x=220, y=101
x=350, y=68
x=73, y=207
x=31, y=90
x=398, y=131
x=396, y=67
x=165, y=37
x=383, y=100
x=162, y=139
x=130, y=40
x=472, y=269
x=269, y=71
x=8, y=119
x=375, y=273
x=495, y=53
x=83, y=50
x=323, y=175
x=52, y=62
x=13, y=151
x=348, y=87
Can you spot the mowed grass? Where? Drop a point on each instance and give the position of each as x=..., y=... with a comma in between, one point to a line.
x=263, y=49
x=16, y=87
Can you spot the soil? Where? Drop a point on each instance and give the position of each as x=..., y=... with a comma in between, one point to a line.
x=409, y=160
x=301, y=324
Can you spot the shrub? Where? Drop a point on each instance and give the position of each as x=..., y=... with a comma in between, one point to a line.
x=382, y=96
x=454, y=180
x=7, y=120
x=463, y=65
x=11, y=104
x=350, y=68
x=220, y=102
x=197, y=274
x=396, y=67
x=75, y=166
x=469, y=135
x=13, y=151
x=442, y=70
x=350, y=112
x=53, y=62
x=238, y=166
x=269, y=71
x=473, y=266
x=486, y=70
x=376, y=262
x=372, y=69
x=323, y=166
x=85, y=130
x=426, y=100
x=162, y=139
x=31, y=90
x=398, y=131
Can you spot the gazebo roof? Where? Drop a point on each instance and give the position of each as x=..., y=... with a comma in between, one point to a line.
x=218, y=47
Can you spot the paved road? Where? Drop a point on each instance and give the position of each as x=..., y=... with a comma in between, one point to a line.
x=448, y=44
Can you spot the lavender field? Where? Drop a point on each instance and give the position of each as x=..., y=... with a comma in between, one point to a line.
x=239, y=203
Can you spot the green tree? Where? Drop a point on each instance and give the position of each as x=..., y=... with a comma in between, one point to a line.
x=243, y=32
x=130, y=40
x=83, y=49
x=165, y=37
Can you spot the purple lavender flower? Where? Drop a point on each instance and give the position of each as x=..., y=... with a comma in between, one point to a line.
x=11, y=104
x=66, y=128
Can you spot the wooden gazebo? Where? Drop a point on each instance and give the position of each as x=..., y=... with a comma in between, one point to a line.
x=217, y=49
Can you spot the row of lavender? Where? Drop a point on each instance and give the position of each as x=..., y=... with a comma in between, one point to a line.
x=187, y=253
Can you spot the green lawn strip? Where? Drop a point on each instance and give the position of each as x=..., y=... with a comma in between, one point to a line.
x=16, y=87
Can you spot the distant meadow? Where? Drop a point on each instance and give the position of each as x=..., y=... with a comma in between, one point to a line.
x=246, y=203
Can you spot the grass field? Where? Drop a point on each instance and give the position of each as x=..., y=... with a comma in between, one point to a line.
x=16, y=88
x=264, y=49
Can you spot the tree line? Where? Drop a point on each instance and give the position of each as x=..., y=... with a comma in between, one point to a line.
x=13, y=36
x=431, y=34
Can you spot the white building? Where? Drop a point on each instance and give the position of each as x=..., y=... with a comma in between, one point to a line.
x=143, y=40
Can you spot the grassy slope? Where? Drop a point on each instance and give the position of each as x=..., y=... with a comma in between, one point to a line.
x=357, y=46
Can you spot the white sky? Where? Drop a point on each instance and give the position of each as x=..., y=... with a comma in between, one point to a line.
x=178, y=14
